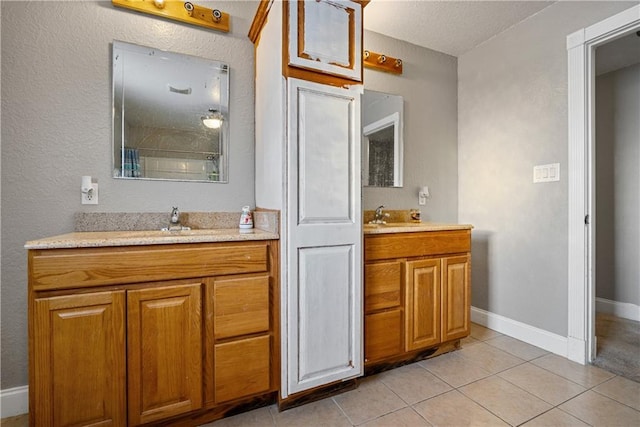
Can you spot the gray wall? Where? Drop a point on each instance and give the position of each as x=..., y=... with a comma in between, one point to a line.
x=56, y=111
x=429, y=88
x=618, y=185
x=512, y=95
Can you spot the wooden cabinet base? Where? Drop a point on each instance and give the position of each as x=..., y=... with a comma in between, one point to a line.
x=318, y=393
x=222, y=411
x=407, y=358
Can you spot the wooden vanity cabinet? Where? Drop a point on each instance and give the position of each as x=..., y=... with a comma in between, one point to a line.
x=417, y=292
x=137, y=352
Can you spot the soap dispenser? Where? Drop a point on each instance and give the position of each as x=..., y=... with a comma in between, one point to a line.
x=246, y=219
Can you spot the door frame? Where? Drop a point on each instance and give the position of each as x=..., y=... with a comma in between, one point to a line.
x=581, y=47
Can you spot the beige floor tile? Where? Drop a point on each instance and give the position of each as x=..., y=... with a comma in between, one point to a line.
x=516, y=347
x=406, y=417
x=369, y=401
x=543, y=384
x=585, y=375
x=256, y=418
x=505, y=400
x=454, y=369
x=623, y=390
x=17, y=421
x=466, y=342
x=599, y=410
x=481, y=333
x=490, y=358
x=413, y=383
x=321, y=413
x=455, y=409
x=555, y=418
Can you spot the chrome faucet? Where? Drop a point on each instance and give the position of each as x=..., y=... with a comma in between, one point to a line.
x=379, y=216
x=174, y=222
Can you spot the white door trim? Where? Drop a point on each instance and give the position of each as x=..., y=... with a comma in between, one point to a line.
x=581, y=290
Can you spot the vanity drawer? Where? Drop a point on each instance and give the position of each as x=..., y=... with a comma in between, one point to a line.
x=241, y=306
x=418, y=244
x=382, y=287
x=87, y=267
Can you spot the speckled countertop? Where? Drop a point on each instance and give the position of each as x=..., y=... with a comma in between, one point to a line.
x=89, y=239
x=412, y=227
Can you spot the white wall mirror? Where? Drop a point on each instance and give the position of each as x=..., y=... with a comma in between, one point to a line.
x=382, y=148
x=170, y=115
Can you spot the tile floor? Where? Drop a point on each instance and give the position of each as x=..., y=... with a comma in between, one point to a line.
x=493, y=380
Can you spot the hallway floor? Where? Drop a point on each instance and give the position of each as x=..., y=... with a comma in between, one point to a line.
x=494, y=380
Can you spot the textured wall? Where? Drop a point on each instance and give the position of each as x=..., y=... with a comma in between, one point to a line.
x=618, y=185
x=429, y=88
x=56, y=127
x=513, y=115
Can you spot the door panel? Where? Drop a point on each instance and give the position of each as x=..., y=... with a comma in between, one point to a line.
x=324, y=229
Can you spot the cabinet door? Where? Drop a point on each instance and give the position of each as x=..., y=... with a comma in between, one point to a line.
x=326, y=36
x=323, y=279
x=423, y=304
x=78, y=355
x=456, y=298
x=382, y=335
x=164, y=345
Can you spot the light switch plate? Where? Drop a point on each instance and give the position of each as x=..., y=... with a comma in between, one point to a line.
x=546, y=173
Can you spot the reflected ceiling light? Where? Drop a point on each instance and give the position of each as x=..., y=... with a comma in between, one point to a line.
x=213, y=120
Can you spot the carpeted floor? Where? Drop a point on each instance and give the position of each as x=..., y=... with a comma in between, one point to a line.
x=618, y=346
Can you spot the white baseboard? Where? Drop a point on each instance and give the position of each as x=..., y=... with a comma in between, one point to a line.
x=618, y=309
x=521, y=331
x=14, y=401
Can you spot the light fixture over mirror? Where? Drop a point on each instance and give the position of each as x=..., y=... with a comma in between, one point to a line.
x=213, y=120
x=170, y=115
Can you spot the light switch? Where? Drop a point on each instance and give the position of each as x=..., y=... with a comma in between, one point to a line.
x=546, y=173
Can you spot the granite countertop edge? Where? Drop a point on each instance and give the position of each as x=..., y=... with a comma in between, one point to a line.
x=92, y=239
x=392, y=228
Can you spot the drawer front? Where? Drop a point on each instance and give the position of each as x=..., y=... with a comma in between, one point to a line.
x=87, y=267
x=241, y=306
x=242, y=368
x=382, y=335
x=419, y=244
x=382, y=285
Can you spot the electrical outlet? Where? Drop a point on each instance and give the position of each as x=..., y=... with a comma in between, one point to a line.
x=91, y=197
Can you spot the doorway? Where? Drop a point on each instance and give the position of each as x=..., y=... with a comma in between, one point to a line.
x=617, y=206
x=581, y=47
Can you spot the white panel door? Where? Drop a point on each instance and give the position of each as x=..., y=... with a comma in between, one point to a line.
x=323, y=236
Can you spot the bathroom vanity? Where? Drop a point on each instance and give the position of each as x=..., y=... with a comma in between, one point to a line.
x=130, y=328
x=417, y=287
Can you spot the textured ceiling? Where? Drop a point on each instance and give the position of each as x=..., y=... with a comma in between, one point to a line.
x=452, y=27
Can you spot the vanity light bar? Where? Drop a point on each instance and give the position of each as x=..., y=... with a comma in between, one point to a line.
x=183, y=11
x=381, y=62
